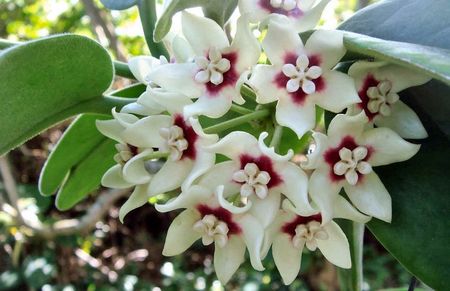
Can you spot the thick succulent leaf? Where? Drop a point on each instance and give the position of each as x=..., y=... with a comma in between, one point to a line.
x=220, y=10
x=86, y=176
x=119, y=4
x=423, y=59
x=48, y=80
x=419, y=235
x=80, y=142
x=414, y=21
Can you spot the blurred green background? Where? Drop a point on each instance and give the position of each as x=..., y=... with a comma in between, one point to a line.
x=105, y=254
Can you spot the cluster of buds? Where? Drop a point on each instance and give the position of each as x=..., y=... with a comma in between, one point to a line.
x=237, y=190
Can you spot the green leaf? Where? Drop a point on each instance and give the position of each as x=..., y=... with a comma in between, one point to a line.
x=414, y=21
x=67, y=162
x=86, y=176
x=119, y=4
x=48, y=80
x=431, y=61
x=220, y=10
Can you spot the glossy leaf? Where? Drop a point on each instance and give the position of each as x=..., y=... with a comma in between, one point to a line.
x=119, y=4
x=48, y=80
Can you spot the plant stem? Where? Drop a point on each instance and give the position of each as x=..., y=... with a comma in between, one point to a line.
x=240, y=109
x=123, y=70
x=248, y=93
x=277, y=134
x=237, y=121
x=147, y=13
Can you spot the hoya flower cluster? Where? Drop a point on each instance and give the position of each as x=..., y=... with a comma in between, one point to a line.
x=216, y=153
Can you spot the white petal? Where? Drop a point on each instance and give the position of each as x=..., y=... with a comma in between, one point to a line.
x=246, y=46
x=113, y=178
x=339, y=92
x=287, y=258
x=280, y=41
x=221, y=174
x=324, y=192
x=203, y=33
x=202, y=163
x=295, y=187
x=336, y=248
x=343, y=209
x=181, y=235
x=328, y=45
x=124, y=119
x=360, y=70
x=229, y=205
x=371, y=197
x=145, y=132
x=228, y=258
x=212, y=106
x=236, y=143
x=182, y=50
x=253, y=234
x=170, y=177
x=111, y=128
x=342, y=125
x=171, y=101
x=178, y=78
x=263, y=83
x=139, y=109
x=270, y=151
x=311, y=17
x=137, y=199
x=134, y=170
x=315, y=158
x=298, y=118
x=404, y=121
x=187, y=199
x=265, y=209
x=401, y=77
x=388, y=147
x=141, y=66
x=253, y=10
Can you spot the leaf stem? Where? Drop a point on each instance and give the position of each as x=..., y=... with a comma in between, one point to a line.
x=276, y=138
x=237, y=121
x=147, y=13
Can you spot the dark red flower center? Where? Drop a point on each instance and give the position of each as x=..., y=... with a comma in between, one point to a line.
x=369, y=81
x=230, y=77
x=289, y=227
x=331, y=156
x=299, y=97
x=222, y=215
x=264, y=163
x=189, y=135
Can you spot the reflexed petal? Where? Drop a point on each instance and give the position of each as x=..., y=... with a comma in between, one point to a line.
x=336, y=248
x=170, y=101
x=111, y=128
x=287, y=258
x=139, y=109
x=113, y=178
x=187, y=199
x=339, y=92
x=124, y=119
x=228, y=258
x=170, y=177
x=311, y=17
x=323, y=192
x=295, y=187
x=145, y=132
x=404, y=121
x=211, y=106
x=134, y=170
x=388, y=147
x=328, y=45
x=181, y=235
x=315, y=158
x=203, y=162
x=178, y=78
x=246, y=45
x=280, y=41
x=262, y=81
x=343, y=209
x=253, y=234
x=253, y=10
x=371, y=197
x=137, y=199
x=265, y=209
x=221, y=174
x=343, y=124
x=141, y=66
x=270, y=151
x=203, y=33
x=182, y=50
x=298, y=118
x=274, y=229
x=235, y=144
x=401, y=77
